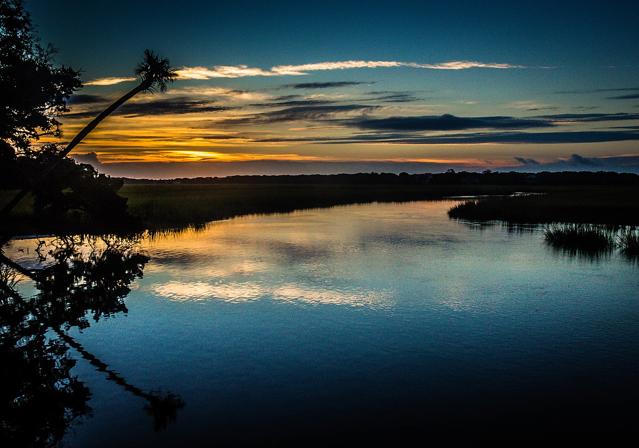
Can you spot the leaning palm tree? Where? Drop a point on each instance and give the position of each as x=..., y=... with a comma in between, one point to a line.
x=154, y=74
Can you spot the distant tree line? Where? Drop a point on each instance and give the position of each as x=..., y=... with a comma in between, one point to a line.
x=450, y=177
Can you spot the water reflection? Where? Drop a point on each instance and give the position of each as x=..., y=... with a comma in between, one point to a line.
x=256, y=258
x=74, y=280
x=376, y=316
x=197, y=291
x=235, y=292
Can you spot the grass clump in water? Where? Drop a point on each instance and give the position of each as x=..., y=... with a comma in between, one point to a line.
x=580, y=238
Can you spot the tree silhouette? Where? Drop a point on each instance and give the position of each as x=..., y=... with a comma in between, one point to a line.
x=154, y=74
x=34, y=90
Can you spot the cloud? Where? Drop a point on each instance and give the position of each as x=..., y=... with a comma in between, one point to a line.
x=323, y=85
x=463, y=65
x=292, y=103
x=445, y=122
x=578, y=162
x=175, y=105
x=221, y=71
x=528, y=162
x=288, y=97
x=590, y=117
x=532, y=106
x=89, y=158
x=500, y=137
x=613, y=89
x=309, y=112
x=449, y=122
x=109, y=81
x=633, y=96
x=79, y=99
x=218, y=92
x=581, y=160
x=392, y=96
x=409, y=138
x=343, y=65
x=179, y=105
x=240, y=71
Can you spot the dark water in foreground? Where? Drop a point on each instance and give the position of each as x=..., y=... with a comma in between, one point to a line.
x=368, y=320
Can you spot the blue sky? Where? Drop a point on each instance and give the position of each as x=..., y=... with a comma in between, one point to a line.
x=559, y=60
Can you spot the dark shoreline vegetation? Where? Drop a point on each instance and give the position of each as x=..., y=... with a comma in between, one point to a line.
x=588, y=204
x=155, y=205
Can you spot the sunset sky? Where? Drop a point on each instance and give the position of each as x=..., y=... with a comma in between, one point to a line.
x=292, y=87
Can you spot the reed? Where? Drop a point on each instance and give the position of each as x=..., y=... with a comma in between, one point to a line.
x=585, y=238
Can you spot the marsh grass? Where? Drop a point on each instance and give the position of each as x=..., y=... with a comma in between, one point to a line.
x=593, y=241
x=171, y=206
x=580, y=237
x=588, y=205
x=628, y=242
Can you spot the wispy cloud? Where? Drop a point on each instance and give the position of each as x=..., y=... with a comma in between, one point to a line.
x=169, y=106
x=109, y=81
x=445, y=122
x=448, y=122
x=612, y=89
x=531, y=106
x=632, y=96
x=300, y=113
x=388, y=96
x=463, y=65
x=527, y=162
x=239, y=71
x=323, y=85
x=499, y=138
x=221, y=71
x=242, y=71
x=588, y=118
x=221, y=93
x=81, y=99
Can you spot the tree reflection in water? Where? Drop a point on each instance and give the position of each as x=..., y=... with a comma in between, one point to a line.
x=78, y=279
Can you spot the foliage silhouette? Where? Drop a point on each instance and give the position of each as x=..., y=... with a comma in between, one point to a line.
x=34, y=90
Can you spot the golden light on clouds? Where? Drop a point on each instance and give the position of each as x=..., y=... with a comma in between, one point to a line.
x=109, y=81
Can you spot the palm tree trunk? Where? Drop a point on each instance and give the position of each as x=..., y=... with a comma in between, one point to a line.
x=105, y=113
x=144, y=85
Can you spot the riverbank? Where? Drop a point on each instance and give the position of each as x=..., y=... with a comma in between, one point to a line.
x=161, y=206
x=596, y=198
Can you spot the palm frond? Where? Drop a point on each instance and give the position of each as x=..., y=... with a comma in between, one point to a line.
x=155, y=72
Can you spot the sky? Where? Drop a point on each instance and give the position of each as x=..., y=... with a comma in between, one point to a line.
x=319, y=87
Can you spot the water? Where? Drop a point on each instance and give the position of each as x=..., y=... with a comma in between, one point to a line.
x=364, y=320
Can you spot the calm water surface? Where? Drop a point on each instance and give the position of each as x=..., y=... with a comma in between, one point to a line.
x=365, y=318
